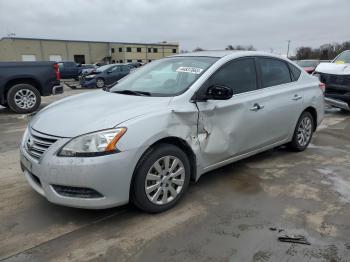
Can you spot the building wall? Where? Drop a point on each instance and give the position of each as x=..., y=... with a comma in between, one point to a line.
x=13, y=49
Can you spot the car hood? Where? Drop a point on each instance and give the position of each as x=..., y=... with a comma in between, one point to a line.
x=93, y=111
x=333, y=68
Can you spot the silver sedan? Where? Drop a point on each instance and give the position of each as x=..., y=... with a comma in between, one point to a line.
x=147, y=137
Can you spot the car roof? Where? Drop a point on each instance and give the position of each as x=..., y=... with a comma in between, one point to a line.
x=223, y=53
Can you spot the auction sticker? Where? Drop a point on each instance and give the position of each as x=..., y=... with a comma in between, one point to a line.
x=192, y=70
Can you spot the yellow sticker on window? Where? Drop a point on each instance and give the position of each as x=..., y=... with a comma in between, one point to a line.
x=340, y=62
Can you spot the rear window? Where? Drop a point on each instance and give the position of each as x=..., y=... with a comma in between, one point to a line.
x=274, y=72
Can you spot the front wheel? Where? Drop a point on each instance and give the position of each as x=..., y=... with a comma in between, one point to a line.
x=162, y=177
x=303, y=132
x=100, y=82
x=23, y=98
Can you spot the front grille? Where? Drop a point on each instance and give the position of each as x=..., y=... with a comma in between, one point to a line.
x=80, y=192
x=37, y=143
x=335, y=80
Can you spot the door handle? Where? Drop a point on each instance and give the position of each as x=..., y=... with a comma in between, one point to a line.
x=256, y=107
x=297, y=97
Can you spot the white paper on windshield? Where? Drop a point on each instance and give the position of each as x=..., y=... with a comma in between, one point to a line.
x=188, y=69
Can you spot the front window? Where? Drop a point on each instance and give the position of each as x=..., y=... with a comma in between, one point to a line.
x=343, y=58
x=165, y=77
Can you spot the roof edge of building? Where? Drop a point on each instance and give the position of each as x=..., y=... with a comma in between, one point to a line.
x=87, y=41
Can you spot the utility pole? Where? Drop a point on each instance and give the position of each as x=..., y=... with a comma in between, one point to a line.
x=288, y=48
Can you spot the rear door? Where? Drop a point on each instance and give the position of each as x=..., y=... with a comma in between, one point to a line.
x=283, y=98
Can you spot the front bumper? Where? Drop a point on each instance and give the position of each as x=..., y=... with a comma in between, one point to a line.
x=88, y=83
x=109, y=175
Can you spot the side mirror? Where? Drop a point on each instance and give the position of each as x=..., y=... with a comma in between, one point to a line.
x=109, y=71
x=218, y=92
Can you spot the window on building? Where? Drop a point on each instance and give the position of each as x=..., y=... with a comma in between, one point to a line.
x=155, y=50
x=79, y=59
x=149, y=50
x=139, y=49
x=28, y=58
x=120, y=49
x=273, y=72
x=120, y=61
x=174, y=51
x=112, y=50
x=240, y=75
x=113, y=61
x=140, y=61
x=128, y=49
x=150, y=60
x=55, y=58
x=129, y=60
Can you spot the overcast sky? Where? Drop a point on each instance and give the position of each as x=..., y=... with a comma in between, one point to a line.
x=210, y=24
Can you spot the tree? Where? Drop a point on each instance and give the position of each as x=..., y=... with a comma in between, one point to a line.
x=324, y=52
x=197, y=49
x=240, y=47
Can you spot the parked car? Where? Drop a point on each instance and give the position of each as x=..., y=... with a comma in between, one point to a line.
x=134, y=64
x=69, y=69
x=23, y=83
x=86, y=69
x=105, y=75
x=336, y=77
x=308, y=65
x=167, y=123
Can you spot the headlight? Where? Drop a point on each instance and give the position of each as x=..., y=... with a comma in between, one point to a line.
x=89, y=76
x=93, y=144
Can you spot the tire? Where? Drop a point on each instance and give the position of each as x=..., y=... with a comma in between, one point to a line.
x=100, y=82
x=23, y=98
x=303, y=132
x=147, y=176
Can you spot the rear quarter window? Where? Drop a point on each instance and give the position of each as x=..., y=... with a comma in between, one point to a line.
x=295, y=72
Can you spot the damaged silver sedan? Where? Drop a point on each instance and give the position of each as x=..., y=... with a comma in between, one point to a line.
x=144, y=139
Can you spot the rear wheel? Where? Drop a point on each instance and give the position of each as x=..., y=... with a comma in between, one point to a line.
x=303, y=132
x=162, y=177
x=100, y=82
x=23, y=98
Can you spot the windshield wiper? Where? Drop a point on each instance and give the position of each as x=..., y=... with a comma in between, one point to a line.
x=132, y=92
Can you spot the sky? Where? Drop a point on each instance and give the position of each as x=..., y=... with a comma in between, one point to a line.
x=209, y=24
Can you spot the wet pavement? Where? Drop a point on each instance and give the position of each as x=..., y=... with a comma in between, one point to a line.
x=227, y=216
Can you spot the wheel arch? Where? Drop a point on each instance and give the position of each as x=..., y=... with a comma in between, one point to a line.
x=172, y=140
x=313, y=112
x=24, y=80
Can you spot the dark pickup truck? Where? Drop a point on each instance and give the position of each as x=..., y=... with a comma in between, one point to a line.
x=23, y=83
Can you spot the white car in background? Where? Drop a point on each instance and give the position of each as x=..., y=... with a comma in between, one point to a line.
x=336, y=77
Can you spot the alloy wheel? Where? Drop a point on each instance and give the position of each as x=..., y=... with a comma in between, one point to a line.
x=304, y=131
x=25, y=99
x=100, y=83
x=165, y=180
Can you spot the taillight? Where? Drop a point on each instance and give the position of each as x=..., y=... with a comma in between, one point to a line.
x=57, y=71
x=322, y=86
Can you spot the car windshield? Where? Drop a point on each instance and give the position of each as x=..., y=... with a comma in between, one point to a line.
x=165, y=77
x=103, y=68
x=308, y=63
x=343, y=58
